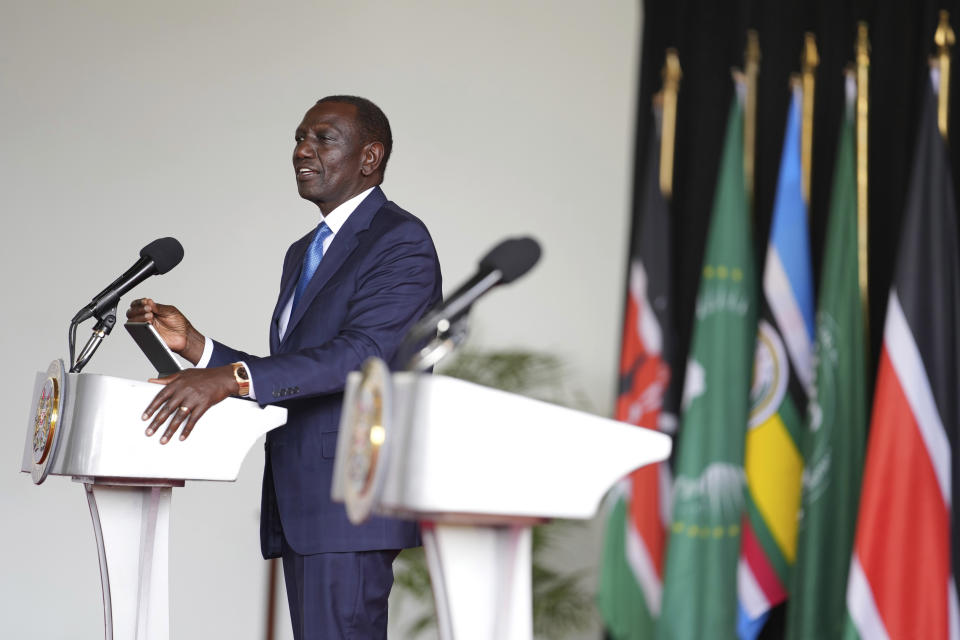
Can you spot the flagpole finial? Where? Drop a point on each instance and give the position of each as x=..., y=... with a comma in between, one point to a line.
x=671, y=87
x=944, y=39
x=863, y=43
x=809, y=62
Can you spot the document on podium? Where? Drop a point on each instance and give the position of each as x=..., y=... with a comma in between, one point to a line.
x=153, y=346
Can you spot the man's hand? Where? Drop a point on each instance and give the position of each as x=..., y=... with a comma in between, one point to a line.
x=172, y=326
x=187, y=396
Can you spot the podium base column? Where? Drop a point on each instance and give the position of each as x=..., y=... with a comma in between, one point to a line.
x=131, y=523
x=481, y=579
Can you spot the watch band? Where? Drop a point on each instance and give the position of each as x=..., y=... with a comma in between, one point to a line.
x=243, y=379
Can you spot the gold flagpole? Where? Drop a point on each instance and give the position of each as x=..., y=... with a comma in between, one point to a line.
x=752, y=71
x=668, y=131
x=944, y=39
x=863, y=102
x=808, y=67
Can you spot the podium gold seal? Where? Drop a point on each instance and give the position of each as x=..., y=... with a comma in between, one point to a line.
x=49, y=400
x=367, y=419
x=45, y=421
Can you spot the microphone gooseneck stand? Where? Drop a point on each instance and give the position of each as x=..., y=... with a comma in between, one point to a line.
x=105, y=323
x=448, y=337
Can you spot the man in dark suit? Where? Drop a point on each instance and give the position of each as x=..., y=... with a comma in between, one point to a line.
x=350, y=289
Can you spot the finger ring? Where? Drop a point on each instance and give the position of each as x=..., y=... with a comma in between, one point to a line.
x=185, y=409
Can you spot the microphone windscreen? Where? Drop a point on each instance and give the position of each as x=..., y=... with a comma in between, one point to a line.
x=166, y=253
x=513, y=257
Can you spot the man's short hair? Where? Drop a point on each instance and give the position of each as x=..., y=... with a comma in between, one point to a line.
x=373, y=123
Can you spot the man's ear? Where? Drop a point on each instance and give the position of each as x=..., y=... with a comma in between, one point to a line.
x=372, y=155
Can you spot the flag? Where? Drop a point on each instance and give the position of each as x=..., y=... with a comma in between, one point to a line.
x=901, y=582
x=700, y=583
x=631, y=573
x=835, y=434
x=782, y=378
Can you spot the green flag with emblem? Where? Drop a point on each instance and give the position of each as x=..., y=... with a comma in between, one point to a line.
x=700, y=584
x=837, y=425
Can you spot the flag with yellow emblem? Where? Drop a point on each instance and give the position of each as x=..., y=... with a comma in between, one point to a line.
x=782, y=378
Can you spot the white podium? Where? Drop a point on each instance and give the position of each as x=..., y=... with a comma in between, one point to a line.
x=478, y=467
x=88, y=426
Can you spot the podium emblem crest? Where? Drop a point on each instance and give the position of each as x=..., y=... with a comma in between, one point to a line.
x=367, y=431
x=45, y=422
x=48, y=405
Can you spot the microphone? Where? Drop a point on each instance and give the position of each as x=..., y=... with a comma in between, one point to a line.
x=504, y=263
x=158, y=257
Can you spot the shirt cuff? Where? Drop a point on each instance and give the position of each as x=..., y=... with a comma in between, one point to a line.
x=252, y=395
x=207, y=353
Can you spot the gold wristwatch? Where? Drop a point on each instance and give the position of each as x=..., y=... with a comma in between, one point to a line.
x=242, y=377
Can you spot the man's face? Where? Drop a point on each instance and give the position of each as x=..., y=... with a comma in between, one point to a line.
x=329, y=157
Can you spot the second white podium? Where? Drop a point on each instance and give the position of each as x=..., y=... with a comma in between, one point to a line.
x=477, y=466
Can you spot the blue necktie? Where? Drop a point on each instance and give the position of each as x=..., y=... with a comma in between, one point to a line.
x=311, y=261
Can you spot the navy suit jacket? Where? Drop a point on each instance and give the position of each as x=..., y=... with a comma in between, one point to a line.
x=377, y=278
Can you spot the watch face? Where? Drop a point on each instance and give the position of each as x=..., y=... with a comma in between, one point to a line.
x=240, y=373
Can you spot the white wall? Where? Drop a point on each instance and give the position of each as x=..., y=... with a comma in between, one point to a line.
x=123, y=121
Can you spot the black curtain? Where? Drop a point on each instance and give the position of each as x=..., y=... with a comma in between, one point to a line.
x=710, y=38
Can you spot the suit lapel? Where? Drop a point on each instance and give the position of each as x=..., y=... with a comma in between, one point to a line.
x=288, y=280
x=343, y=245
